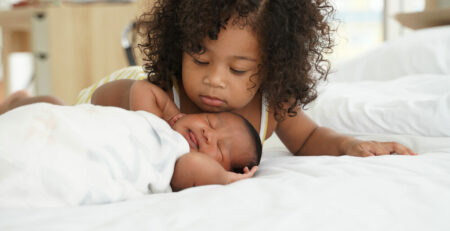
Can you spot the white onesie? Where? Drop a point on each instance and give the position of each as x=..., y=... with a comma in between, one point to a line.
x=71, y=155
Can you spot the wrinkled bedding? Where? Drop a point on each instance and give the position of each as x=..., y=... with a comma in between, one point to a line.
x=397, y=92
x=288, y=193
x=414, y=104
x=55, y=156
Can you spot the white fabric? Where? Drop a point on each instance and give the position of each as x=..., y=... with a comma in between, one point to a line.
x=389, y=193
x=73, y=155
x=414, y=104
x=320, y=193
x=176, y=97
x=263, y=125
x=421, y=52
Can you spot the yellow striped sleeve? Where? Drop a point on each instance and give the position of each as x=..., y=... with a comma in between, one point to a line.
x=134, y=72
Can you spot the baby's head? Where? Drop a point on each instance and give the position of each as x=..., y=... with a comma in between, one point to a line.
x=227, y=137
x=212, y=36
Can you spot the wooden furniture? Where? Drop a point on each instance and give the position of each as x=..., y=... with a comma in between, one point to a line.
x=436, y=13
x=74, y=45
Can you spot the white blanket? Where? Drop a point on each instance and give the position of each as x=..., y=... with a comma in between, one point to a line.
x=72, y=155
x=389, y=193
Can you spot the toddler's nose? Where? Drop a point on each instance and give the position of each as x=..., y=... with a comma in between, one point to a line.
x=215, y=78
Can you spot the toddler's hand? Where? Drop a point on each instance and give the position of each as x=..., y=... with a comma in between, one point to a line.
x=374, y=148
x=174, y=119
x=233, y=177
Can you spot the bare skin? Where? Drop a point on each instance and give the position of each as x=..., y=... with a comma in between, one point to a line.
x=195, y=169
x=224, y=78
x=192, y=169
x=220, y=80
x=22, y=97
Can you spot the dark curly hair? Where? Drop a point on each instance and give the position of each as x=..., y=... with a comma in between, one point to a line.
x=293, y=37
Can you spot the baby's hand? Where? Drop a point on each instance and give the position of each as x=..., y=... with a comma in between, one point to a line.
x=374, y=148
x=233, y=177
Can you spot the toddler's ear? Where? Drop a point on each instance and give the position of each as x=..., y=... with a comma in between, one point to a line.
x=175, y=118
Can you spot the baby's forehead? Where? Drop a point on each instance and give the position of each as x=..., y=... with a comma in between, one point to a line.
x=229, y=118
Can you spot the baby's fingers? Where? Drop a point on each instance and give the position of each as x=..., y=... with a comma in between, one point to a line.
x=232, y=176
x=253, y=170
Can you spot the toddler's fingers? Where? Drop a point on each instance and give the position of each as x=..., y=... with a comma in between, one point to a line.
x=379, y=149
x=399, y=149
x=174, y=119
x=364, y=152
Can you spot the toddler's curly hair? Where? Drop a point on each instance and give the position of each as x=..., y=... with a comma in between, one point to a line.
x=293, y=37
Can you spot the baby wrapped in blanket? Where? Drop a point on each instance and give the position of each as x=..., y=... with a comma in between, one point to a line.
x=72, y=155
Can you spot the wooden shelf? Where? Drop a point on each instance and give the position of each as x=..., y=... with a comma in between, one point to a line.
x=74, y=45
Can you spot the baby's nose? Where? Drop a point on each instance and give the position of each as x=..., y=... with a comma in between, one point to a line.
x=208, y=135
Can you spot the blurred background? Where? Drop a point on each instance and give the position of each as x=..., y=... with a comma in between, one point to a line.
x=362, y=24
x=60, y=47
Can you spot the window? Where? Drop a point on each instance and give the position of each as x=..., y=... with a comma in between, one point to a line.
x=364, y=24
x=360, y=27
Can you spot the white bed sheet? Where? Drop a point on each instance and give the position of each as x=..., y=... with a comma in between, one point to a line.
x=410, y=193
x=288, y=193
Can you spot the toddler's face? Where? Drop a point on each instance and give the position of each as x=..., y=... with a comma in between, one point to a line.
x=219, y=79
x=223, y=136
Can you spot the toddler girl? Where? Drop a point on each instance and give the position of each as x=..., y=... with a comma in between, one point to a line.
x=258, y=58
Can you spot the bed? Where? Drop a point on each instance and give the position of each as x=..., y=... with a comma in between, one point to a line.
x=399, y=91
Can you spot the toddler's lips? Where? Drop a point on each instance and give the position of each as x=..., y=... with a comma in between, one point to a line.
x=192, y=140
x=211, y=101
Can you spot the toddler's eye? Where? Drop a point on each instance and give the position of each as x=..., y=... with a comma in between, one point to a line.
x=200, y=62
x=238, y=72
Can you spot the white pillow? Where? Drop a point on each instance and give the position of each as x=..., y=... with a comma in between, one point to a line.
x=413, y=105
x=423, y=51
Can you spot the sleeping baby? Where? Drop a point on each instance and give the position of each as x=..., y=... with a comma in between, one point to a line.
x=53, y=155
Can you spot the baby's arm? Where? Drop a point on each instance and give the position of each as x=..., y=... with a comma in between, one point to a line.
x=195, y=169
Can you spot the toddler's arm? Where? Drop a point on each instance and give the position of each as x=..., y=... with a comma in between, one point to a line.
x=135, y=95
x=149, y=97
x=304, y=137
x=195, y=169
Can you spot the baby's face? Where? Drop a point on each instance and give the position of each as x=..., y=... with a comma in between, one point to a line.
x=223, y=136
